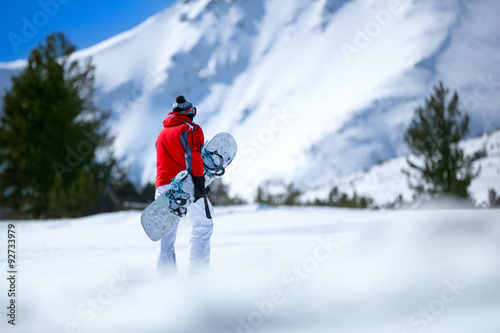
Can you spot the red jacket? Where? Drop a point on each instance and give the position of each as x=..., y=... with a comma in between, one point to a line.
x=178, y=148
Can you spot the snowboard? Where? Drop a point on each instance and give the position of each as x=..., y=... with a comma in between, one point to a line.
x=162, y=213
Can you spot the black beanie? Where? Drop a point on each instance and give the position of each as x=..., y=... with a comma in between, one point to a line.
x=181, y=104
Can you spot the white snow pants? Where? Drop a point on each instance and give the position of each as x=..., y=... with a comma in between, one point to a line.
x=199, y=249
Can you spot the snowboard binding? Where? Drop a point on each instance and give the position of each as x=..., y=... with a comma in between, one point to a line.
x=213, y=168
x=179, y=198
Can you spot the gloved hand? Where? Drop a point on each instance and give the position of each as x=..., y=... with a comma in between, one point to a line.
x=199, y=188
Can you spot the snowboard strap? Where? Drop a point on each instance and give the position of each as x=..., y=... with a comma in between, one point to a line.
x=217, y=170
x=178, y=198
x=207, y=209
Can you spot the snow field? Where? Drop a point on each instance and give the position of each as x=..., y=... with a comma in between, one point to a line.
x=273, y=270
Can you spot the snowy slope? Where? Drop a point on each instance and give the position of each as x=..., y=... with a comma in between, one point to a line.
x=385, y=182
x=326, y=270
x=310, y=89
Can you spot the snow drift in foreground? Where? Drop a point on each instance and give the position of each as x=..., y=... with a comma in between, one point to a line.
x=273, y=270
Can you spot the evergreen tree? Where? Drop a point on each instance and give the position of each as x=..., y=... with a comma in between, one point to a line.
x=493, y=199
x=50, y=133
x=433, y=137
x=219, y=195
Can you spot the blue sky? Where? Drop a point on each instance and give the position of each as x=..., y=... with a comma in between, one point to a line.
x=85, y=22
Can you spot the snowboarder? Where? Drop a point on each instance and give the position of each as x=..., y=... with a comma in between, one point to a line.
x=178, y=148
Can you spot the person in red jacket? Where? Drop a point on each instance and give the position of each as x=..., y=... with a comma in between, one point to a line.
x=178, y=148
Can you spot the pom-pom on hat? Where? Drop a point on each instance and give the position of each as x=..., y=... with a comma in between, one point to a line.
x=181, y=104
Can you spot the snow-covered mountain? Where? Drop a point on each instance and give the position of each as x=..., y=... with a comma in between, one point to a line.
x=385, y=181
x=310, y=89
